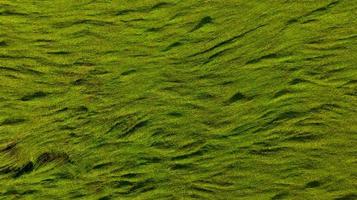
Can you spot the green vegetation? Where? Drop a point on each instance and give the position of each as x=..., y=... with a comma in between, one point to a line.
x=204, y=99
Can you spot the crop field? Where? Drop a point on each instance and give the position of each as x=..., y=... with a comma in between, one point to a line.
x=178, y=99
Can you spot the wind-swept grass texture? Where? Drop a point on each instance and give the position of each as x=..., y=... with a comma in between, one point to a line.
x=178, y=99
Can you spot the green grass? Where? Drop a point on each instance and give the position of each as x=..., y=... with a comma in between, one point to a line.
x=206, y=99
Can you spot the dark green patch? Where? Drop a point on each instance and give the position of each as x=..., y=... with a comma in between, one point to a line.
x=131, y=71
x=313, y=184
x=204, y=21
x=12, y=121
x=27, y=168
x=236, y=97
x=33, y=96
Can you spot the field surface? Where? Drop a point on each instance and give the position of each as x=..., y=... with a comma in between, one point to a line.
x=178, y=99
